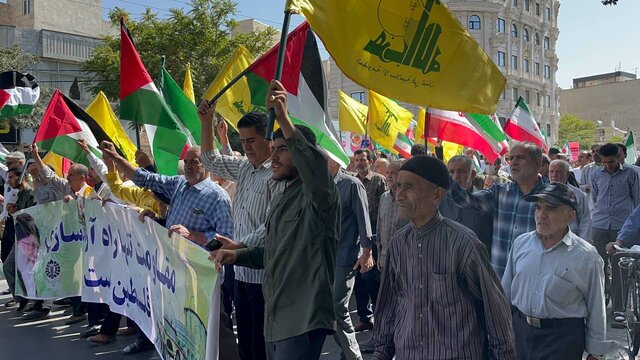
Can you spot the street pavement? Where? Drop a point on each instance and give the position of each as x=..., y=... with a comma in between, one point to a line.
x=52, y=339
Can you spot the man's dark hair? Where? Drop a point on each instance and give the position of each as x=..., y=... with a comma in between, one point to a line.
x=418, y=149
x=254, y=119
x=622, y=147
x=370, y=156
x=609, y=149
x=306, y=132
x=546, y=159
x=16, y=172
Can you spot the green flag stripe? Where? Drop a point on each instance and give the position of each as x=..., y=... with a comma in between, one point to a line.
x=487, y=124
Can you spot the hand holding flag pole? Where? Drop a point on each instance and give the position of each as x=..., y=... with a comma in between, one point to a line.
x=288, y=9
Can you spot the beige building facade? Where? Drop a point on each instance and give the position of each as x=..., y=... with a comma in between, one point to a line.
x=612, y=105
x=519, y=36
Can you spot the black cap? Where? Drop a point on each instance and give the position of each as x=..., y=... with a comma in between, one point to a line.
x=557, y=194
x=429, y=168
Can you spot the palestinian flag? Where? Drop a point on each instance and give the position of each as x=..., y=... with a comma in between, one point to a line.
x=303, y=77
x=64, y=123
x=18, y=94
x=461, y=129
x=522, y=126
x=142, y=103
x=3, y=154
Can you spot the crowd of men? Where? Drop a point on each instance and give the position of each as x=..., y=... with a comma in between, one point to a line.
x=444, y=260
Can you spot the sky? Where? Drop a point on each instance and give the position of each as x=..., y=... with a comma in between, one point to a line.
x=594, y=39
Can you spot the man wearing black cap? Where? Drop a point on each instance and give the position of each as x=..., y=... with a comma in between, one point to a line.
x=554, y=280
x=439, y=297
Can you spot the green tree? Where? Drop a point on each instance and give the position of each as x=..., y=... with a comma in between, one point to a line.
x=617, y=139
x=14, y=59
x=572, y=128
x=202, y=36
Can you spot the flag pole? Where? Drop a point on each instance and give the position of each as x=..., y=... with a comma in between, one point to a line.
x=288, y=9
x=227, y=87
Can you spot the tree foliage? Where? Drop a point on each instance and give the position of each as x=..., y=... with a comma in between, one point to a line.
x=202, y=36
x=572, y=128
x=14, y=59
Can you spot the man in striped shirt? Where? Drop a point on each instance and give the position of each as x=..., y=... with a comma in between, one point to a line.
x=255, y=189
x=439, y=297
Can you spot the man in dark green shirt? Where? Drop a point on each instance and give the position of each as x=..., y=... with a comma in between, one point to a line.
x=297, y=246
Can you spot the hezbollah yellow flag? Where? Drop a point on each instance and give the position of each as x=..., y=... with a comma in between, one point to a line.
x=413, y=51
x=187, y=86
x=419, y=131
x=59, y=164
x=236, y=101
x=352, y=114
x=449, y=149
x=386, y=120
x=101, y=112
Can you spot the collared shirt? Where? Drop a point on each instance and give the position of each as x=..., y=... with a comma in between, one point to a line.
x=254, y=189
x=581, y=225
x=355, y=229
x=630, y=232
x=614, y=197
x=102, y=189
x=61, y=185
x=478, y=220
x=44, y=193
x=585, y=180
x=440, y=299
x=25, y=198
x=133, y=195
x=299, y=252
x=375, y=185
x=203, y=207
x=512, y=215
x=564, y=281
x=388, y=224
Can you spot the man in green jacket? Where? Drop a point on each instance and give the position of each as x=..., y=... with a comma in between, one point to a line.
x=297, y=245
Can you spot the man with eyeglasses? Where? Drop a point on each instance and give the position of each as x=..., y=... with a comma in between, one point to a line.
x=512, y=215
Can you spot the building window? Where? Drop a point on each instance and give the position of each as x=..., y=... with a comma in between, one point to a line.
x=501, y=25
x=514, y=62
x=547, y=101
x=527, y=95
x=536, y=68
x=547, y=72
x=526, y=5
x=503, y=96
x=525, y=34
x=26, y=7
x=358, y=96
x=501, y=58
x=525, y=62
x=514, y=30
x=537, y=9
x=515, y=2
x=514, y=92
x=548, y=134
x=546, y=42
x=474, y=22
x=536, y=39
x=547, y=13
x=538, y=99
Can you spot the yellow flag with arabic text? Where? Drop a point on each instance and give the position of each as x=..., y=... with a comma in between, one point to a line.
x=236, y=101
x=419, y=131
x=187, y=86
x=409, y=50
x=352, y=114
x=386, y=119
x=100, y=110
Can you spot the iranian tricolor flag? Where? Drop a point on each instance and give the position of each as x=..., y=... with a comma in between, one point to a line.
x=63, y=123
x=566, y=149
x=18, y=94
x=141, y=102
x=478, y=132
x=632, y=154
x=522, y=126
x=403, y=144
x=303, y=77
